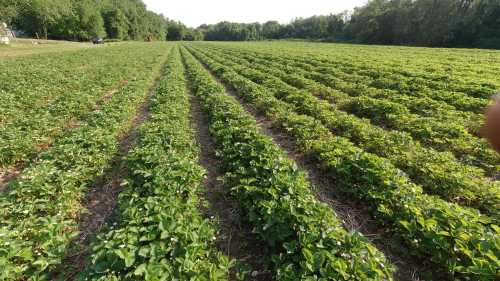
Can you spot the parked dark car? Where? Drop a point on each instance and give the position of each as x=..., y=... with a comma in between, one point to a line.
x=98, y=40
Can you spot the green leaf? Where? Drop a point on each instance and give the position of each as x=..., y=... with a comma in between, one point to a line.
x=126, y=255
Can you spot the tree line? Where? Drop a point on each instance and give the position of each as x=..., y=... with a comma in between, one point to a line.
x=444, y=23
x=82, y=20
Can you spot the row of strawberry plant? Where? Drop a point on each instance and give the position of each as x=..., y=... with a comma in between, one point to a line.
x=443, y=136
x=439, y=173
x=34, y=127
x=433, y=69
x=38, y=211
x=429, y=63
x=47, y=76
x=417, y=104
x=388, y=85
x=424, y=107
x=473, y=98
x=306, y=240
x=421, y=105
x=466, y=147
x=37, y=81
x=457, y=239
x=160, y=233
x=458, y=80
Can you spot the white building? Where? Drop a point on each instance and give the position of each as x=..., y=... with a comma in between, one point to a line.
x=5, y=34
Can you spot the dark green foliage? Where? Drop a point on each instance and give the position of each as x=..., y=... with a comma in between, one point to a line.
x=230, y=31
x=176, y=31
x=38, y=17
x=8, y=10
x=193, y=35
x=83, y=20
x=83, y=23
x=472, y=23
x=463, y=23
x=116, y=23
x=447, y=23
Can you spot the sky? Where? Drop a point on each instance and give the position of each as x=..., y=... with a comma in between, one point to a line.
x=196, y=12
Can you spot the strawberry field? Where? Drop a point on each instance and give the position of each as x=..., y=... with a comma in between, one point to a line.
x=318, y=162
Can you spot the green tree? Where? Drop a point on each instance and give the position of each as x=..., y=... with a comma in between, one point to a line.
x=193, y=35
x=89, y=20
x=271, y=30
x=335, y=26
x=38, y=16
x=116, y=23
x=176, y=31
x=8, y=10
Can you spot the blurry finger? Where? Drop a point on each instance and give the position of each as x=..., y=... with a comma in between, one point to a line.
x=492, y=124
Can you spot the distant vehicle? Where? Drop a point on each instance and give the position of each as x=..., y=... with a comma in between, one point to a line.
x=98, y=40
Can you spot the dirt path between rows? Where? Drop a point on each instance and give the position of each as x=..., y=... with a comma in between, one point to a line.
x=235, y=238
x=6, y=176
x=354, y=216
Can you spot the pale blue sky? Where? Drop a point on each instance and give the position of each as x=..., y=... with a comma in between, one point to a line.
x=195, y=12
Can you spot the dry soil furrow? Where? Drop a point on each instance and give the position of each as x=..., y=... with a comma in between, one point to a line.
x=7, y=176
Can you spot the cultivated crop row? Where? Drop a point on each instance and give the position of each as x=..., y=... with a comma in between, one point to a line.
x=420, y=105
x=455, y=76
x=465, y=71
x=391, y=82
x=39, y=210
x=160, y=233
x=458, y=240
x=44, y=95
x=445, y=135
x=306, y=240
x=438, y=173
x=31, y=82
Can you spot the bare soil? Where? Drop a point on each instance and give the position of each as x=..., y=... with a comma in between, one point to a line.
x=6, y=176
